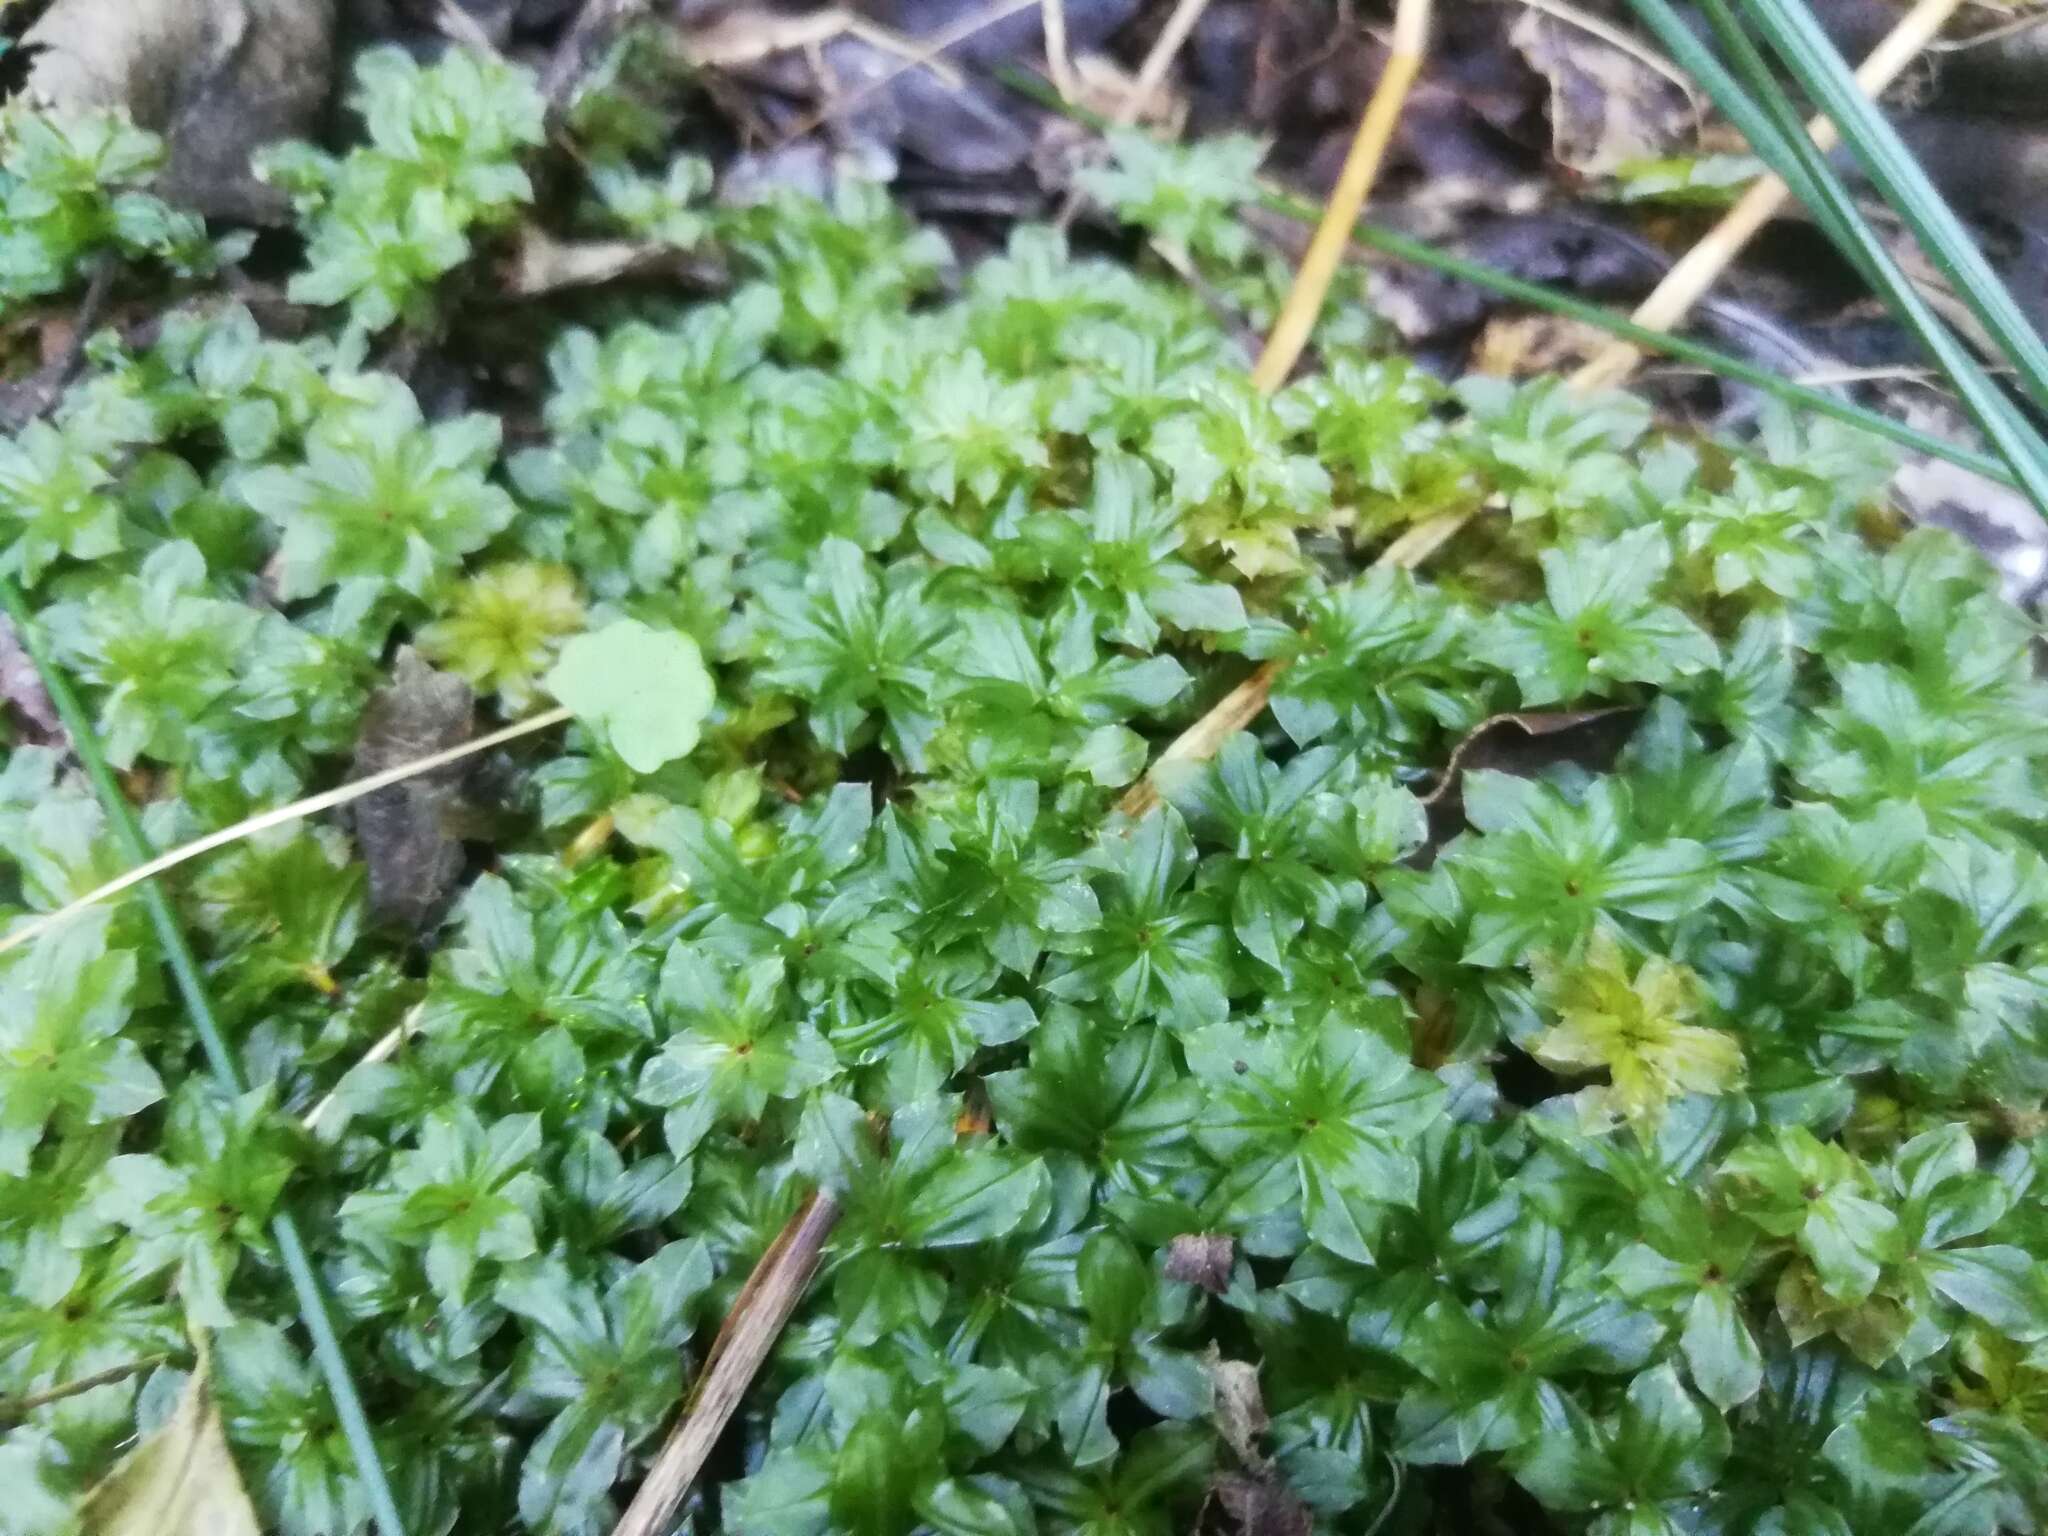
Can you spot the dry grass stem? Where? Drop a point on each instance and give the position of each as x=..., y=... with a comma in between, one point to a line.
x=1361, y=169
x=751, y=1328
x=1058, y=65
x=312, y=805
x=383, y=1050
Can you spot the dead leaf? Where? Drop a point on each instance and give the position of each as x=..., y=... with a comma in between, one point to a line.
x=1432, y=1028
x=180, y=1481
x=1257, y=1501
x=1997, y=519
x=407, y=832
x=1255, y=1506
x=1607, y=107
x=217, y=78
x=1526, y=742
x=540, y=264
x=1203, y=1259
x=21, y=687
x=1522, y=346
x=1238, y=1408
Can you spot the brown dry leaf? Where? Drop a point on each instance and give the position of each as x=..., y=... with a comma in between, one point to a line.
x=540, y=264
x=1202, y=1259
x=1257, y=1501
x=21, y=688
x=1432, y=1028
x=1607, y=107
x=1256, y=1506
x=180, y=1481
x=407, y=831
x=1522, y=346
x=217, y=78
x=1238, y=1408
x=1526, y=742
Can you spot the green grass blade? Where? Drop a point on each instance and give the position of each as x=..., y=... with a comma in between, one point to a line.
x=1798, y=40
x=1758, y=100
x=220, y=1058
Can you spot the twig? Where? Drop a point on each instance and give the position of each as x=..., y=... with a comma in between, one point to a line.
x=1418, y=541
x=1701, y=267
x=1241, y=706
x=1058, y=64
x=58, y=376
x=262, y=822
x=1204, y=739
x=1361, y=169
x=932, y=52
x=751, y=1328
x=747, y=37
x=1997, y=34
x=383, y=1050
x=14, y=1410
x=1144, y=85
x=1158, y=60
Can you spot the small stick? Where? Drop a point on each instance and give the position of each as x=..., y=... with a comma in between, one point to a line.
x=1058, y=65
x=747, y=37
x=383, y=1050
x=15, y=1410
x=751, y=1328
x=1361, y=169
x=312, y=805
x=932, y=53
x=1204, y=739
x=1158, y=59
x=1701, y=267
x=1241, y=706
x=1144, y=86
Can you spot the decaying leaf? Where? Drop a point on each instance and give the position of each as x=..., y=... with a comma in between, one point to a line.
x=1524, y=346
x=1525, y=742
x=180, y=1481
x=1256, y=1506
x=217, y=78
x=540, y=264
x=1998, y=520
x=406, y=832
x=1238, y=1408
x=1607, y=107
x=1202, y=1259
x=1257, y=1500
x=21, y=689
